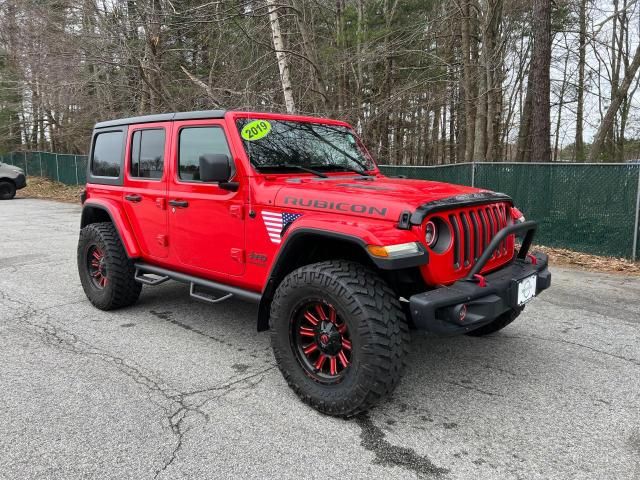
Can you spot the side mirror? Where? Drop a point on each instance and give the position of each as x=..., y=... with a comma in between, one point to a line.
x=215, y=167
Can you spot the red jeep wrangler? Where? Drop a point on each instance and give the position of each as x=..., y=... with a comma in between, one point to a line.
x=292, y=213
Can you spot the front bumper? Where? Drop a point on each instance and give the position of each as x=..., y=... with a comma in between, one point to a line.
x=438, y=311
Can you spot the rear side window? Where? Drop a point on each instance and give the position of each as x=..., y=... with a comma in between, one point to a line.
x=147, y=154
x=107, y=154
x=195, y=142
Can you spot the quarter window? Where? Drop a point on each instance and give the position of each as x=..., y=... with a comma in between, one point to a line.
x=147, y=153
x=107, y=154
x=195, y=142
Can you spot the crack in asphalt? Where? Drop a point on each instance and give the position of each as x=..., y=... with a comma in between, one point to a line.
x=474, y=388
x=180, y=404
x=179, y=416
x=634, y=361
x=372, y=438
x=583, y=306
x=167, y=316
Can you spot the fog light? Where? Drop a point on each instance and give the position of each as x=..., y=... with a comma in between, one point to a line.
x=458, y=313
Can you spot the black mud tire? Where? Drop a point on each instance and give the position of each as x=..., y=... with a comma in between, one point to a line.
x=377, y=325
x=7, y=190
x=121, y=289
x=498, y=324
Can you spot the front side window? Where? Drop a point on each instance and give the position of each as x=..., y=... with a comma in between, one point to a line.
x=147, y=153
x=107, y=154
x=196, y=142
x=280, y=145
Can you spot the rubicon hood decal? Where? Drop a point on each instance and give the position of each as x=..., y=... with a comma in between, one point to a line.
x=337, y=206
x=376, y=198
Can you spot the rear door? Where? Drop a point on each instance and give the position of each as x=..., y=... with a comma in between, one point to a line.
x=206, y=221
x=145, y=186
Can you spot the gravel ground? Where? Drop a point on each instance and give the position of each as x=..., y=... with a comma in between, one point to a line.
x=172, y=388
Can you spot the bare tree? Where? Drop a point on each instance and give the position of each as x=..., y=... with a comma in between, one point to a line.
x=283, y=64
x=612, y=111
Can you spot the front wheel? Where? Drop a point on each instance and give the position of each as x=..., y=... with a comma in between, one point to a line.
x=339, y=336
x=7, y=190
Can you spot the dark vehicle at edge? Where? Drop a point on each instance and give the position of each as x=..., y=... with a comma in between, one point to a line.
x=11, y=179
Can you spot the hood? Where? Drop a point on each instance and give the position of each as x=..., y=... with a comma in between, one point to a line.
x=11, y=168
x=374, y=197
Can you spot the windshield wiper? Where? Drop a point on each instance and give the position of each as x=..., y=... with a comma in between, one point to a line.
x=296, y=167
x=350, y=169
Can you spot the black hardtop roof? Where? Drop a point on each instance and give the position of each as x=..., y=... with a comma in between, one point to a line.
x=163, y=117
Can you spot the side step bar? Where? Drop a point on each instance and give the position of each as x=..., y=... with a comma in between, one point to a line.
x=164, y=274
x=146, y=280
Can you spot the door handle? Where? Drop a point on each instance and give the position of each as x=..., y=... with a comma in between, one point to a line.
x=133, y=198
x=179, y=203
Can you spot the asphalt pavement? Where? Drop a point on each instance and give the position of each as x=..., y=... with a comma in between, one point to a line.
x=172, y=388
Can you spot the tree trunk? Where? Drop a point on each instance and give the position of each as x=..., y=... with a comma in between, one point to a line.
x=563, y=89
x=616, y=101
x=469, y=100
x=283, y=64
x=540, y=115
x=480, y=135
x=582, y=49
x=523, y=153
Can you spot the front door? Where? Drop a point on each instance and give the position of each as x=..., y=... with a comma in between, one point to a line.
x=206, y=221
x=145, y=182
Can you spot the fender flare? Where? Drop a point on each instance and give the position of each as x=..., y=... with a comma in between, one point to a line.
x=293, y=241
x=118, y=218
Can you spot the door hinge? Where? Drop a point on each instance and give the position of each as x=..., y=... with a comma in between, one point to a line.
x=237, y=254
x=161, y=203
x=237, y=211
x=163, y=240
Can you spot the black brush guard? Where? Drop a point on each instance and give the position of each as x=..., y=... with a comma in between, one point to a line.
x=477, y=300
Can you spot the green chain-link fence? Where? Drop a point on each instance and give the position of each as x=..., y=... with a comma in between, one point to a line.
x=66, y=168
x=590, y=208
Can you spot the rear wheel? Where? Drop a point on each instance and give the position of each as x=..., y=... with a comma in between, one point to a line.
x=339, y=336
x=7, y=190
x=498, y=324
x=106, y=273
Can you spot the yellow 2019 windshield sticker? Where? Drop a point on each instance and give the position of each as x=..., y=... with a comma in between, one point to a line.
x=255, y=130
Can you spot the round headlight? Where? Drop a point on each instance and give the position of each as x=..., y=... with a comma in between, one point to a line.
x=431, y=234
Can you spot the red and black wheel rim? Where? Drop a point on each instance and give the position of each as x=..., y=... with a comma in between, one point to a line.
x=321, y=341
x=97, y=267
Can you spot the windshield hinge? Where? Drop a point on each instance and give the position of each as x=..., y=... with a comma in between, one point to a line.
x=404, y=222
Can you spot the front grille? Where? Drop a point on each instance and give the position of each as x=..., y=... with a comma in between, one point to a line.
x=473, y=228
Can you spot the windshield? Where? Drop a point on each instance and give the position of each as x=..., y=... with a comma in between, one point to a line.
x=281, y=145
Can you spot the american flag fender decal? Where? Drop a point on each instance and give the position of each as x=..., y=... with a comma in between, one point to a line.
x=276, y=222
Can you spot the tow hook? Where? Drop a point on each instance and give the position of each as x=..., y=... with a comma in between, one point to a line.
x=480, y=279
